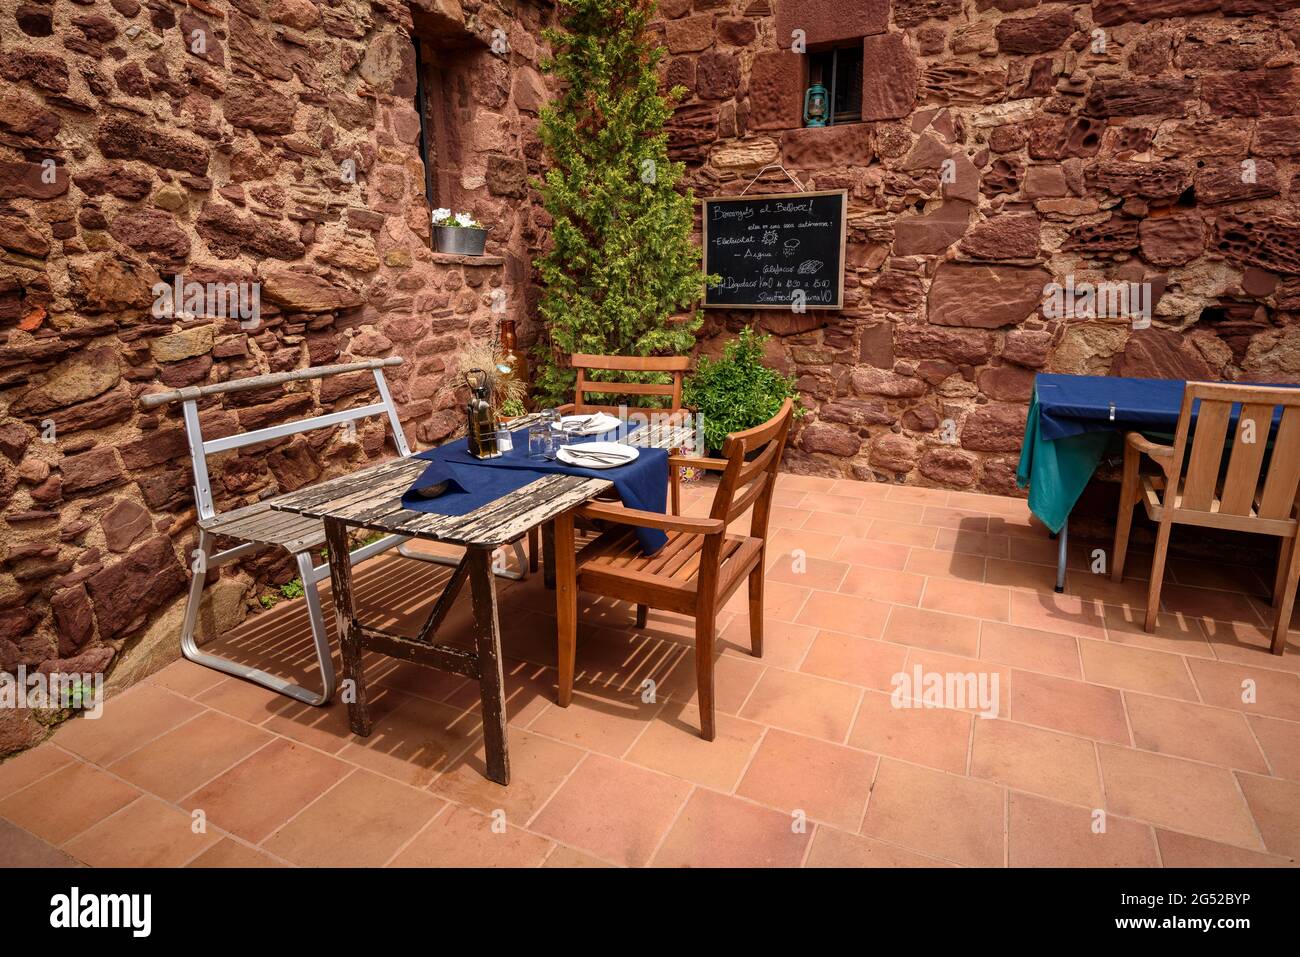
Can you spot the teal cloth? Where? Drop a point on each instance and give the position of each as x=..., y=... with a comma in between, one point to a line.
x=1057, y=471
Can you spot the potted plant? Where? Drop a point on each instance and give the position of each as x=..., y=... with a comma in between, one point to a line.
x=458, y=233
x=507, y=390
x=737, y=391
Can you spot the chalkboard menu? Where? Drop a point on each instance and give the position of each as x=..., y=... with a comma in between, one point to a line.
x=774, y=251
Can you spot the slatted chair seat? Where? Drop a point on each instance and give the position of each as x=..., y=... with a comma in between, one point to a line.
x=614, y=561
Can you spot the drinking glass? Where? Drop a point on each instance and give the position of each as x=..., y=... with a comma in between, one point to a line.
x=540, y=442
x=505, y=441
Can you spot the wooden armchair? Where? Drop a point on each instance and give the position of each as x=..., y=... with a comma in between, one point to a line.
x=1208, y=496
x=696, y=571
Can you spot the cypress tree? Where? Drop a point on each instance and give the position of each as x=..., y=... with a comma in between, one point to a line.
x=622, y=263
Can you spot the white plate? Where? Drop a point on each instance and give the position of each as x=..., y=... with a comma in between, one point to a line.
x=593, y=424
x=626, y=452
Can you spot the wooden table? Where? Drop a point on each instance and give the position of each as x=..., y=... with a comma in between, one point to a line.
x=373, y=501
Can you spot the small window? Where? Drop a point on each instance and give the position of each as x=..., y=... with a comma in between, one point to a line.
x=840, y=71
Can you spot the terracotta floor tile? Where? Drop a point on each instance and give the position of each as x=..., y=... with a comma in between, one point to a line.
x=903, y=533
x=1063, y=614
x=905, y=512
x=853, y=526
x=1029, y=649
x=1025, y=576
x=839, y=504
x=567, y=857
x=715, y=830
x=230, y=853
x=813, y=544
x=147, y=833
x=935, y=630
x=1042, y=762
x=974, y=684
x=784, y=643
x=1234, y=686
x=613, y=810
x=1273, y=803
x=935, y=563
x=990, y=602
x=360, y=822
x=1187, y=730
x=529, y=688
x=1174, y=632
x=605, y=723
x=67, y=802
x=128, y=720
x=673, y=745
x=243, y=699
x=876, y=491
x=1138, y=669
x=861, y=551
x=1043, y=833
x=957, y=519
x=781, y=601
x=735, y=678
x=796, y=569
x=832, y=848
x=190, y=755
x=1243, y=579
x=827, y=782
x=22, y=769
x=459, y=837
x=964, y=542
x=953, y=818
x=859, y=661
x=936, y=737
x=1173, y=793
x=265, y=789
x=918, y=495
x=1075, y=707
x=1208, y=603
x=538, y=766
x=19, y=848
x=883, y=585
x=414, y=738
x=410, y=678
x=1251, y=644
x=186, y=678
x=1281, y=743
x=1183, y=850
x=802, y=703
x=845, y=613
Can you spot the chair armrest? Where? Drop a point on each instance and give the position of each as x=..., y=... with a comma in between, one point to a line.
x=643, y=519
x=698, y=462
x=566, y=409
x=1137, y=441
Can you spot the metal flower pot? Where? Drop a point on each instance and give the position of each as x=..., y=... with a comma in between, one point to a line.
x=460, y=240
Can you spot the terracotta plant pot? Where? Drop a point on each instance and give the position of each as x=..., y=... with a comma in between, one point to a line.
x=460, y=240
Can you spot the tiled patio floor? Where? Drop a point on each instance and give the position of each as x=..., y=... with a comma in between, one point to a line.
x=812, y=764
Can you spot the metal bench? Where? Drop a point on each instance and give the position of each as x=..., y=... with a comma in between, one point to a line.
x=260, y=525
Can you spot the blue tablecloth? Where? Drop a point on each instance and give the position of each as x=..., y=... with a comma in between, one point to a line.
x=1070, y=425
x=642, y=484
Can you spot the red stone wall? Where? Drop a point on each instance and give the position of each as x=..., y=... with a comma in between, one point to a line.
x=129, y=153
x=1102, y=141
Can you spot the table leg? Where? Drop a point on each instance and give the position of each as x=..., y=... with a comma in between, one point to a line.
x=1061, y=540
x=548, y=554
x=491, y=684
x=349, y=631
x=564, y=563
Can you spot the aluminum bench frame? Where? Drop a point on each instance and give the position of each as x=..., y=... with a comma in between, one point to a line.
x=260, y=526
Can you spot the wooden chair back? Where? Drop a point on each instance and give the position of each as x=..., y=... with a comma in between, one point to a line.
x=676, y=366
x=1244, y=500
x=749, y=479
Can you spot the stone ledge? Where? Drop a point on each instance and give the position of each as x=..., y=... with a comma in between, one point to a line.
x=455, y=259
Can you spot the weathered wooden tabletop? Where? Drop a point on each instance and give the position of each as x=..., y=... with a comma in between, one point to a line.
x=372, y=499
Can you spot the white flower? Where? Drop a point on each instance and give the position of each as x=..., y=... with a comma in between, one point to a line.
x=464, y=219
x=441, y=214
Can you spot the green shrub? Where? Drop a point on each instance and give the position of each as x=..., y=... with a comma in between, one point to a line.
x=738, y=391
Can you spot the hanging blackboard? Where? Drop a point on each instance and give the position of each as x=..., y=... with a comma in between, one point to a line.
x=769, y=249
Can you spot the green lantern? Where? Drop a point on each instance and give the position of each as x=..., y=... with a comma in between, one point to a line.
x=814, y=105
